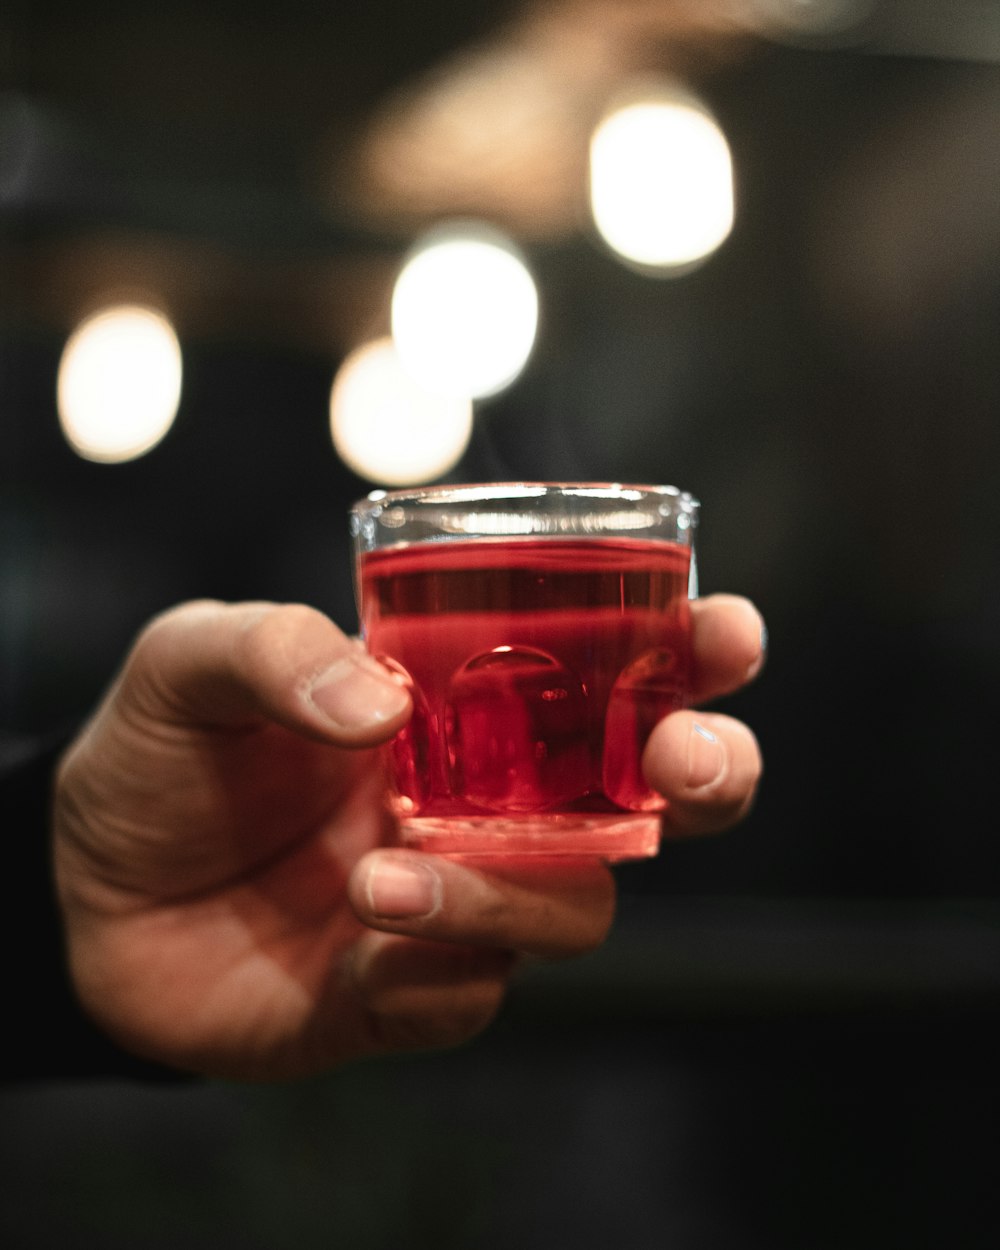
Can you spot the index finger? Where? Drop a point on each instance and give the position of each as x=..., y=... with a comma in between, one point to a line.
x=552, y=908
x=728, y=642
x=228, y=666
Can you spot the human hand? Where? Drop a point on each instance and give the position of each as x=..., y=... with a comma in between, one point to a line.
x=231, y=905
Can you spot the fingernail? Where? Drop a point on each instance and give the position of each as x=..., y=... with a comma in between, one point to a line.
x=398, y=891
x=705, y=757
x=357, y=692
x=757, y=663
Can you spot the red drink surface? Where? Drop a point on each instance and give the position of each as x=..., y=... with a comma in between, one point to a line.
x=538, y=668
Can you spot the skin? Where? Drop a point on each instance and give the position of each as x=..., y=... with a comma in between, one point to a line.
x=230, y=905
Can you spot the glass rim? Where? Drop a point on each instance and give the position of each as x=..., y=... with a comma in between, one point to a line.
x=479, y=492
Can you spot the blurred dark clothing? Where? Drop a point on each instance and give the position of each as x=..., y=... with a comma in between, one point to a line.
x=48, y=1036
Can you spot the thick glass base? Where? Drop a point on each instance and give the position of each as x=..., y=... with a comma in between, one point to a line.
x=613, y=837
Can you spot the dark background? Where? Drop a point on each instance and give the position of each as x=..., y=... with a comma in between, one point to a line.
x=791, y=1038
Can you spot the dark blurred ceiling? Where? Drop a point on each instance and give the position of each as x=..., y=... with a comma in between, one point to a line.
x=168, y=145
x=259, y=168
x=211, y=153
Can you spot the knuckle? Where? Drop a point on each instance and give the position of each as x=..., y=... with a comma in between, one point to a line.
x=180, y=616
x=262, y=637
x=254, y=647
x=271, y=633
x=160, y=631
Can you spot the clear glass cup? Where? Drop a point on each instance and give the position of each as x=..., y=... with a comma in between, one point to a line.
x=543, y=629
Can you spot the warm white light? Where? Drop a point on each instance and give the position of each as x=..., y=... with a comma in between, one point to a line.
x=119, y=384
x=464, y=313
x=661, y=182
x=387, y=427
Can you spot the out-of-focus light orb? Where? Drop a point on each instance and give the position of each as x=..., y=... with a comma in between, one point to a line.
x=119, y=383
x=387, y=427
x=661, y=182
x=464, y=312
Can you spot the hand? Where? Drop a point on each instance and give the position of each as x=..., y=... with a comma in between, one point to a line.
x=230, y=905
x=707, y=764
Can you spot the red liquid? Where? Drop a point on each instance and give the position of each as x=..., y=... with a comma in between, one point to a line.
x=538, y=669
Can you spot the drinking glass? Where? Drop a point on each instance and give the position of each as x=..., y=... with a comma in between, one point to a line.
x=542, y=629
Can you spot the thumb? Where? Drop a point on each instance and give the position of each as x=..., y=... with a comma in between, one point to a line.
x=233, y=665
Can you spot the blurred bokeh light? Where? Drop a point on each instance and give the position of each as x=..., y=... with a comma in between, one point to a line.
x=119, y=383
x=464, y=312
x=661, y=181
x=387, y=427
